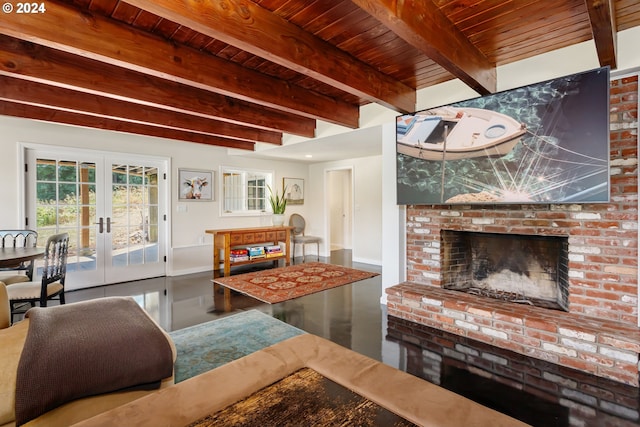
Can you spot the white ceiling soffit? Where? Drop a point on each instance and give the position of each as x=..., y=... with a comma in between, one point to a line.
x=349, y=145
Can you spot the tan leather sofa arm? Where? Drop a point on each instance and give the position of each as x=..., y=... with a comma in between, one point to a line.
x=5, y=310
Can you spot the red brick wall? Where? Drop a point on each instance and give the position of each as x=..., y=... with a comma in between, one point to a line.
x=603, y=244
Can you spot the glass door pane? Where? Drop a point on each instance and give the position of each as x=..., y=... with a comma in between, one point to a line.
x=65, y=201
x=133, y=228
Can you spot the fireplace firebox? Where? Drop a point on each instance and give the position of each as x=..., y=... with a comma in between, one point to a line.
x=525, y=269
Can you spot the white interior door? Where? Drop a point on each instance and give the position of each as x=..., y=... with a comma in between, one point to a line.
x=340, y=208
x=112, y=206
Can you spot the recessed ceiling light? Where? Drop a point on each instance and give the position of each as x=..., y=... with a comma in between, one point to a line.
x=308, y=156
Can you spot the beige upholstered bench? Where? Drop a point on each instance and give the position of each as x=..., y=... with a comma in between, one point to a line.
x=416, y=400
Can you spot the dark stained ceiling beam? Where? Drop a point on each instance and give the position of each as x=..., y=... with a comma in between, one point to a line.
x=66, y=28
x=425, y=27
x=14, y=109
x=602, y=18
x=249, y=27
x=37, y=63
x=39, y=94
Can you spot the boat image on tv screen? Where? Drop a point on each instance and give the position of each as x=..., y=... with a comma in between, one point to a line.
x=543, y=143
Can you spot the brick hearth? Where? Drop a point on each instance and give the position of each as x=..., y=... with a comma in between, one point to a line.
x=569, y=397
x=599, y=334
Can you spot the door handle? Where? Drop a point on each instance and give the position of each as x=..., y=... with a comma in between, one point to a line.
x=100, y=224
x=108, y=224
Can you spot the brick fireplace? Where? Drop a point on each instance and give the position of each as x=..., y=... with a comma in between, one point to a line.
x=524, y=269
x=596, y=328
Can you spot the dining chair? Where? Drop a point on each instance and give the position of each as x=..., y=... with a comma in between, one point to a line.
x=298, y=223
x=21, y=272
x=51, y=286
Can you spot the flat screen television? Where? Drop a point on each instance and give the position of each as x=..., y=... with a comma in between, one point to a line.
x=542, y=143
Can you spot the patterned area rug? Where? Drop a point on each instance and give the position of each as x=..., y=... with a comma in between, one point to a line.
x=304, y=398
x=285, y=283
x=206, y=346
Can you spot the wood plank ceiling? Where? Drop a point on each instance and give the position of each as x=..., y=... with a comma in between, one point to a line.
x=232, y=73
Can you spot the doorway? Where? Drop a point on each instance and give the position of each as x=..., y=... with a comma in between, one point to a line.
x=340, y=209
x=112, y=205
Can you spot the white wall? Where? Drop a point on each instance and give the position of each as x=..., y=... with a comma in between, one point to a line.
x=367, y=206
x=393, y=217
x=190, y=249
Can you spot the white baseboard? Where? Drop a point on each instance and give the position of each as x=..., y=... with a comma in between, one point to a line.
x=367, y=261
x=193, y=270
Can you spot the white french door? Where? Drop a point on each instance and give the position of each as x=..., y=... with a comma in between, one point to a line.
x=113, y=207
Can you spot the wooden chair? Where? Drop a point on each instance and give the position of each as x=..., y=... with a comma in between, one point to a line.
x=51, y=286
x=298, y=236
x=22, y=272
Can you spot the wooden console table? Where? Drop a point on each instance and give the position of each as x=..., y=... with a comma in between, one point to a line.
x=225, y=240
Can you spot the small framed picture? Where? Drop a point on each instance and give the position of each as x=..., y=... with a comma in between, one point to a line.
x=195, y=185
x=294, y=190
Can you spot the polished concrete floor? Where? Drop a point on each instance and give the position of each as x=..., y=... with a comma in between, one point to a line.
x=536, y=392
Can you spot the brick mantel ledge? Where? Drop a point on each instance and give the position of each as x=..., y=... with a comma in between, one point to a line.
x=601, y=347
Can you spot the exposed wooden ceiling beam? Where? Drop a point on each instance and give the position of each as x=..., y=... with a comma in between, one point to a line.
x=254, y=29
x=14, y=109
x=26, y=92
x=425, y=27
x=603, y=27
x=37, y=63
x=66, y=28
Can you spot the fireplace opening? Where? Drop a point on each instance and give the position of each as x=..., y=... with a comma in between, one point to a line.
x=523, y=269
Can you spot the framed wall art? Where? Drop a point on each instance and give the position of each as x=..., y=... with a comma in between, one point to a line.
x=293, y=190
x=545, y=143
x=195, y=185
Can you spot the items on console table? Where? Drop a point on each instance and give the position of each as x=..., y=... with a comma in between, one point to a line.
x=257, y=252
x=237, y=239
x=239, y=255
x=273, y=251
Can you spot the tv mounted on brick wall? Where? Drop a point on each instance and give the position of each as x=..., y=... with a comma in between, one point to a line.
x=542, y=143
